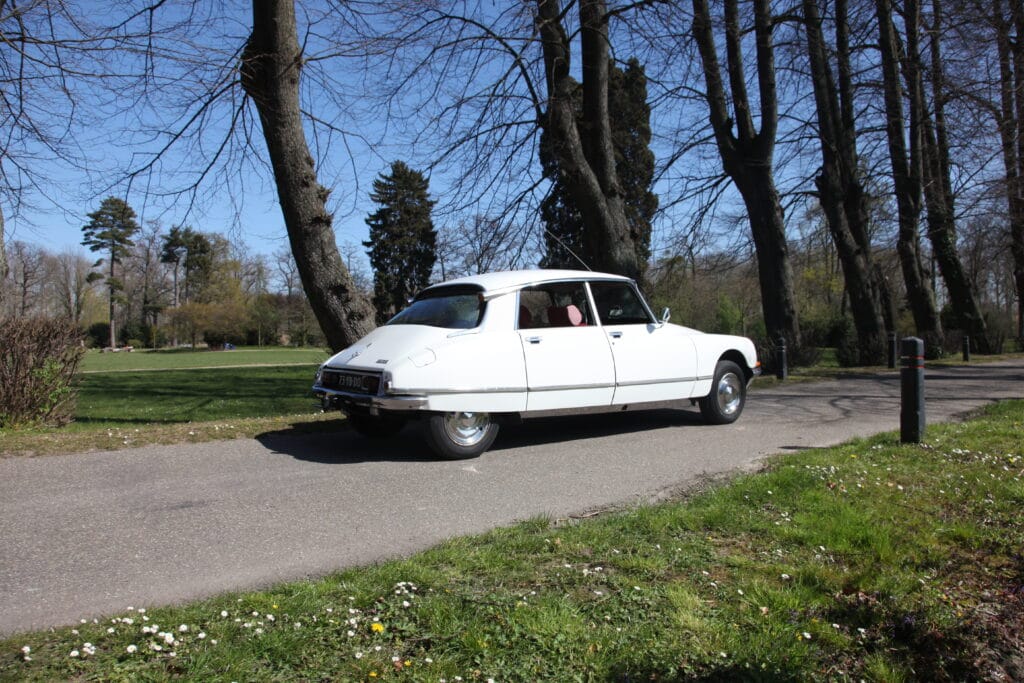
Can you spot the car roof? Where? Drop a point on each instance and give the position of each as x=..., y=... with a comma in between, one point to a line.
x=509, y=280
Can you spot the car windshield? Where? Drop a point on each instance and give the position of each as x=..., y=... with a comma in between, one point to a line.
x=459, y=308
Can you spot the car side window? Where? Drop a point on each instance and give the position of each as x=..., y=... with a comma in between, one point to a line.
x=556, y=304
x=618, y=304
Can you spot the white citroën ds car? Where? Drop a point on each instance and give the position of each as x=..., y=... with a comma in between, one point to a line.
x=470, y=353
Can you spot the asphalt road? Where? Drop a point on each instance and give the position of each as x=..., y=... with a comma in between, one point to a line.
x=89, y=534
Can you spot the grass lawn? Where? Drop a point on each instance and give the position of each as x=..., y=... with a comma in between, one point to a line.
x=121, y=398
x=872, y=560
x=161, y=359
x=134, y=408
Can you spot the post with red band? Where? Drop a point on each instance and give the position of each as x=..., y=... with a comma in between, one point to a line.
x=912, y=390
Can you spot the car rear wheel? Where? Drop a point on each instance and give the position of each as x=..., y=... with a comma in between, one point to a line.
x=728, y=395
x=376, y=426
x=459, y=435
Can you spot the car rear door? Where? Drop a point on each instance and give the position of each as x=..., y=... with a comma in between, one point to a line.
x=568, y=359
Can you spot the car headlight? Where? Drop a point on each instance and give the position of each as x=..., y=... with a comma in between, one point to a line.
x=386, y=382
x=319, y=374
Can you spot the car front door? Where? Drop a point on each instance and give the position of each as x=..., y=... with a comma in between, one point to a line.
x=653, y=361
x=568, y=359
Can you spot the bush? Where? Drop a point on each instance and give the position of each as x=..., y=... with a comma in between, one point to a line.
x=38, y=361
x=98, y=336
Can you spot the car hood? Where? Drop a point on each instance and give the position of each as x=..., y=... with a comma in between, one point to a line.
x=391, y=343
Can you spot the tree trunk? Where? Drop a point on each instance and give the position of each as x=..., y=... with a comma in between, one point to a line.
x=1011, y=109
x=747, y=155
x=3, y=262
x=840, y=190
x=110, y=290
x=270, y=70
x=938, y=190
x=907, y=181
x=587, y=158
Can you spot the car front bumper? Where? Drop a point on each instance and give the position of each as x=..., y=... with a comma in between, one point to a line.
x=373, y=404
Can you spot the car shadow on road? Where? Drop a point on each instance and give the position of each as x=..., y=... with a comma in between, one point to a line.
x=342, y=445
x=549, y=430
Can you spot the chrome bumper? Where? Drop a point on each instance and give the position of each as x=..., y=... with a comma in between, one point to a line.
x=333, y=398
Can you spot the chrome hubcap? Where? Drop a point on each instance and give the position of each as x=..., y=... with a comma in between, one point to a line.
x=730, y=393
x=466, y=429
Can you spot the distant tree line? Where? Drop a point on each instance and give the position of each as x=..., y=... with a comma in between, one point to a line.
x=164, y=287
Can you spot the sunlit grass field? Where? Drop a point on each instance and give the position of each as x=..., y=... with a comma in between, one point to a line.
x=162, y=359
x=132, y=399
x=143, y=397
x=869, y=561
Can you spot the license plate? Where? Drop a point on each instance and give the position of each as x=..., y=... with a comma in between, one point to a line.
x=349, y=381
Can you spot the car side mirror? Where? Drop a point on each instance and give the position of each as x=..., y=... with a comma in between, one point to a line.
x=665, y=315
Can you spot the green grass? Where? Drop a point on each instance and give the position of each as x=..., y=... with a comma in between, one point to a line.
x=120, y=398
x=117, y=409
x=872, y=560
x=178, y=359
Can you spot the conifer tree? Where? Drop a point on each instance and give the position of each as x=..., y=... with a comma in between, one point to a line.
x=110, y=230
x=402, y=244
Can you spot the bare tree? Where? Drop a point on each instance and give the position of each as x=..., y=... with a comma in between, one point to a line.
x=3, y=260
x=70, y=280
x=747, y=153
x=270, y=72
x=938, y=191
x=482, y=245
x=583, y=144
x=27, y=274
x=840, y=188
x=1010, y=118
x=906, y=173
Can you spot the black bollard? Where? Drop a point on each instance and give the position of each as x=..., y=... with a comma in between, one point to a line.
x=781, y=369
x=912, y=391
x=967, y=349
x=894, y=350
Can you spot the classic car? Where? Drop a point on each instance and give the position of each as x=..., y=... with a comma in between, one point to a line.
x=472, y=353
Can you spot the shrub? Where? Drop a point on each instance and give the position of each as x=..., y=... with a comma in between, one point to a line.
x=98, y=336
x=38, y=361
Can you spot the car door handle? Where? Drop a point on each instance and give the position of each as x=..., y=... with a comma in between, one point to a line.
x=533, y=340
x=615, y=335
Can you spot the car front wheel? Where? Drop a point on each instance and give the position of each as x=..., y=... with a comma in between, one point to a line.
x=728, y=394
x=459, y=435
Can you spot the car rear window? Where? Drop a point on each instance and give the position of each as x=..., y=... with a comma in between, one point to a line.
x=457, y=308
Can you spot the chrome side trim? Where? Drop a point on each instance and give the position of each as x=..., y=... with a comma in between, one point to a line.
x=466, y=390
x=672, y=380
x=506, y=390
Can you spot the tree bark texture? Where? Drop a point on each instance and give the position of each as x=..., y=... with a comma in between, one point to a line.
x=1011, y=110
x=840, y=189
x=938, y=192
x=587, y=159
x=906, y=173
x=747, y=154
x=270, y=71
x=3, y=260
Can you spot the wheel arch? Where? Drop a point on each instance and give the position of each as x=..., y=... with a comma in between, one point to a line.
x=739, y=359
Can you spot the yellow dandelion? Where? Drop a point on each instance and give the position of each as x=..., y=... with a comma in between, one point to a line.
x=377, y=627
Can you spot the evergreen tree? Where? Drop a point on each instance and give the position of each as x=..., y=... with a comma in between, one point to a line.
x=631, y=135
x=192, y=252
x=402, y=244
x=110, y=230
